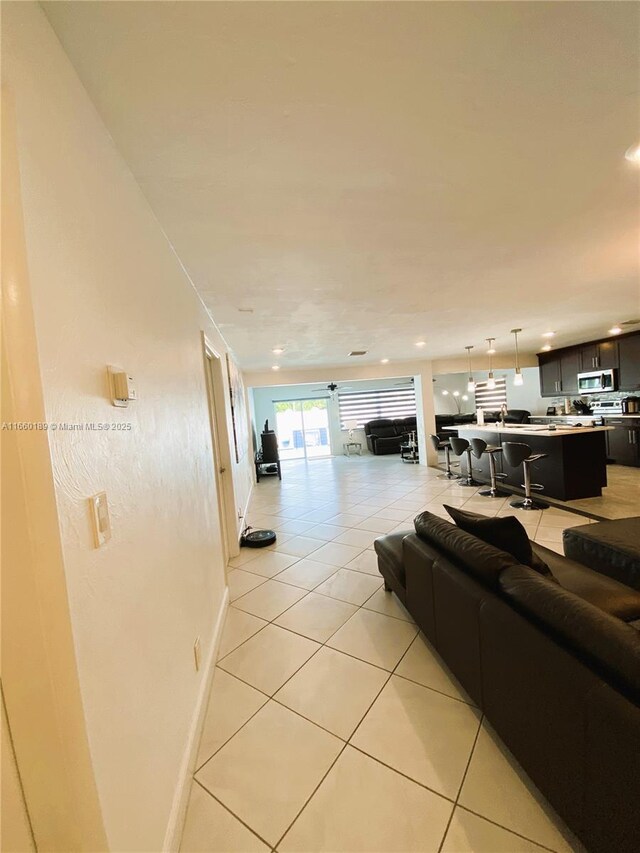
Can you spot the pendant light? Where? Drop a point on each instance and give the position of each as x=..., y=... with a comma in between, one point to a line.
x=471, y=385
x=491, y=382
x=517, y=377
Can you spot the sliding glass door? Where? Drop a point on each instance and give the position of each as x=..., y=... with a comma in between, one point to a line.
x=302, y=427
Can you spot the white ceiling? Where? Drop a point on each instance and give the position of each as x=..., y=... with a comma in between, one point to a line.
x=366, y=175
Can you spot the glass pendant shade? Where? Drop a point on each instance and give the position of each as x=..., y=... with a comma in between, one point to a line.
x=491, y=382
x=518, y=378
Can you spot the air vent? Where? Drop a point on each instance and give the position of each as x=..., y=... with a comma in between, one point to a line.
x=358, y=352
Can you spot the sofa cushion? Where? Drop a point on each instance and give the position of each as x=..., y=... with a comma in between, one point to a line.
x=603, y=592
x=383, y=432
x=609, y=547
x=505, y=533
x=389, y=551
x=472, y=555
x=602, y=641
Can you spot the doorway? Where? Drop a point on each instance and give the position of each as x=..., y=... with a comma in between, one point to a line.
x=302, y=427
x=221, y=451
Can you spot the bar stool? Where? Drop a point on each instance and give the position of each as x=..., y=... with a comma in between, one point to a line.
x=446, y=446
x=460, y=446
x=478, y=447
x=517, y=454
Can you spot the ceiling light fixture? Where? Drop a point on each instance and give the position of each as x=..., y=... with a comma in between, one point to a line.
x=517, y=377
x=615, y=330
x=384, y=361
x=421, y=343
x=277, y=350
x=471, y=385
x=633, y=154
x=275, y=367
x=546, y=348
x=548, y=334
x=491, y=382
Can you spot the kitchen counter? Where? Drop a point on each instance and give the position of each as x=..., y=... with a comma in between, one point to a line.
x=574, y=465
x=512, y=430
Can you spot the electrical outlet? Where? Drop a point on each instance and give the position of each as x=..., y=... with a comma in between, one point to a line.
x=196, y=653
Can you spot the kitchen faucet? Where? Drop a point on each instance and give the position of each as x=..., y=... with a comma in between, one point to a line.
x=503, y=412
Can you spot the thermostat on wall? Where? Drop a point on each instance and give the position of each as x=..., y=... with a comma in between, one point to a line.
x=121, y=386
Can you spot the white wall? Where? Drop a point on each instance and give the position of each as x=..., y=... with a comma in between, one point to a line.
x=525, y=396
x=263, y=399
x=106, y=289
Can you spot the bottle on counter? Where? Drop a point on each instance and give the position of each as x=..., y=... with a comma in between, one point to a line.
x=567, y=406
x=480, y=416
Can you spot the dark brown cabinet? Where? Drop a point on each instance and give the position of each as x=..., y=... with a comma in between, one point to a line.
x=549, y=375
x=569, y=369
x=559, y=372
x=629, y=355
x=598, y=356
x=623, y=442
x=559, y=369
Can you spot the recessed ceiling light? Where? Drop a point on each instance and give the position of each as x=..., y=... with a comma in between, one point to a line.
x=421, y=343
x=384, y=361
x=275, y=367
x=277, y=350
x=548, y=334
x=546, y=347
x=615, y=330
x=633, y=154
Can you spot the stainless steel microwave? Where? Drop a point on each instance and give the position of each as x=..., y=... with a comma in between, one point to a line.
x=597, y=381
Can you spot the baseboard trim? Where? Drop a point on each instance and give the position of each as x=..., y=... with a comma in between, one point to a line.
x=178, y=812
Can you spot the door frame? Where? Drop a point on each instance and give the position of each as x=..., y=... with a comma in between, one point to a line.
x=221, y=449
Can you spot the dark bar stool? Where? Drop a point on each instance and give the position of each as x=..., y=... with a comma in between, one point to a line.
x=478, y=447
x=446, y=446
x=460, y=446
x=517, y=454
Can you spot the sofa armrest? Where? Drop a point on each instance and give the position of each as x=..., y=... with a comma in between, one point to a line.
x=418, y=560
x=371, y=443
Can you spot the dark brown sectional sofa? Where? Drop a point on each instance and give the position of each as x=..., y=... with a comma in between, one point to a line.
x=553, y=661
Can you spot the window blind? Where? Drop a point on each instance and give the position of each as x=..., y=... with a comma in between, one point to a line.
x=490, y=399
x=364, y=406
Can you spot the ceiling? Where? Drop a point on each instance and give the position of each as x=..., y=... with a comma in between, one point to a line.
x=368, y=175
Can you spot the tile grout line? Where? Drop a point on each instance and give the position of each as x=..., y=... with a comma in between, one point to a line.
x=325, y=644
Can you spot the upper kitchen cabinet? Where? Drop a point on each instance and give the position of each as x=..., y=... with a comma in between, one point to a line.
x=629, y=354
x=559, y=368
x=602, y=355
x=559, y=372
x=569, y=369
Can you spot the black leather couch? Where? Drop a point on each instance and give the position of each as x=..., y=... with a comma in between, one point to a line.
x=553, y=662
x=386, y=435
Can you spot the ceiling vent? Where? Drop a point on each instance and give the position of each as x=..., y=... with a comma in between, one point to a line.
x=358, y=352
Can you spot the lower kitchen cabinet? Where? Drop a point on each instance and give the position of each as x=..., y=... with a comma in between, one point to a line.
x=623, y=442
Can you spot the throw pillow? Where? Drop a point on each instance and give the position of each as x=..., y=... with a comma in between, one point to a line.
x=506, y=533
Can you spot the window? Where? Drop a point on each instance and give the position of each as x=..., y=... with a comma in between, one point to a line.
x=490, y=399
x=364, y=406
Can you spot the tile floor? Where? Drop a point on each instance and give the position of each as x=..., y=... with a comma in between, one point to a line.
x=333, y=725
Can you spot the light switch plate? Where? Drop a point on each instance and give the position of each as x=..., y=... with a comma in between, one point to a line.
x=100, y=518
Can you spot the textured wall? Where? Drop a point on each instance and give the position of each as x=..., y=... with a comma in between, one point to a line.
x=108, y=289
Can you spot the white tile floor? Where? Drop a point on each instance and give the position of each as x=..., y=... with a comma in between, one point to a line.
x=333, y=725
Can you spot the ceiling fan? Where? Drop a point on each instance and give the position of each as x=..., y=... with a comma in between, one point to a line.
x=331, y=388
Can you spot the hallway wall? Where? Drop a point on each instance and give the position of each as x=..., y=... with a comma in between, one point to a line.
x=107, y=288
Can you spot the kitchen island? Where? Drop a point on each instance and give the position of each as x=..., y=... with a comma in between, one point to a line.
x=575, y=466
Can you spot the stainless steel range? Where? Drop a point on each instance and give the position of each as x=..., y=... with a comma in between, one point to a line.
x=603, y=407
